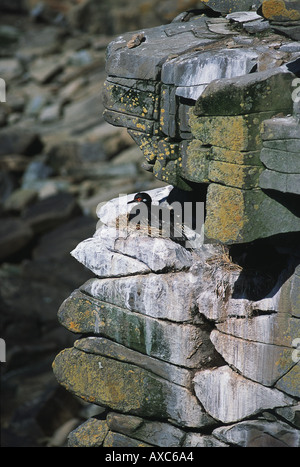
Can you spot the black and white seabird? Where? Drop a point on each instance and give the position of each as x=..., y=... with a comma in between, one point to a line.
x=159, y=218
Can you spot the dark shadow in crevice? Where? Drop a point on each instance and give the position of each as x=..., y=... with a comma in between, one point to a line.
x=197, y=195
x=266, y=265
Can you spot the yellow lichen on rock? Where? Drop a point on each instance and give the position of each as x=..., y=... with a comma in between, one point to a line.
x=280, y=10
x=225, y=213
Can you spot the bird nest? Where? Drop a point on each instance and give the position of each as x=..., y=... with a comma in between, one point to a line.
x=123, y=223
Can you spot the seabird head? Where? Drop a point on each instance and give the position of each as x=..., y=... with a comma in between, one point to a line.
x=141, y=198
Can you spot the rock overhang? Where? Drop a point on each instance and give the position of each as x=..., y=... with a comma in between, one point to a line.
x=194, y=95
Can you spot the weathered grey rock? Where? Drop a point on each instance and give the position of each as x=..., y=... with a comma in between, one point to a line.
x=278, y=329
x=14, y=235
x=130, y=254
x=165, y=296
x=154, y=433
x=263, y=363
x=258, y=433
x=81, y=313
x=258, y=26
x=19, y=141
x=202, y=441
x=157, y=253
x=117, y=440
x=280, y=129
x=243, y=16
x=249, y=93
x=292, y=31
x=291, y=414
x=289, y=382
x=106, y=263
x=194, y=71
x=281, y=161
x=106, y=347
x=124, y=387
x=234, y=397
x=227, y=6
x=285, y=183
x=90, y=434
x=51, y=212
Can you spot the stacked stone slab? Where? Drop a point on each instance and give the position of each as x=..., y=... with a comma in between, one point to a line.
x=174, y=353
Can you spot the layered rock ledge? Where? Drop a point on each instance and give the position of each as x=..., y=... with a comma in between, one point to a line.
x=174, y=352
x=196, y=345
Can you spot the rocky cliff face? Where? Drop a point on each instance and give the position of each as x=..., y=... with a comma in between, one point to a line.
x=174, y=336
x=196, y=345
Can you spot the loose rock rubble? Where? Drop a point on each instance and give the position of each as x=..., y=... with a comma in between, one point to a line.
x=58, y=160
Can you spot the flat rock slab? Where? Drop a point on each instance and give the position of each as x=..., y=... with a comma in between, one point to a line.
x=108, y=348
x=164, y=296
x=259, y=433
x=134, y=254
x=156, y=338
x=264, y=363
x=127, y=388
x=156, y=433
x=229, y=397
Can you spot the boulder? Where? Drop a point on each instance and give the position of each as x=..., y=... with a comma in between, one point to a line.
x=14, y=236
x=50, y=212
x=19, y=141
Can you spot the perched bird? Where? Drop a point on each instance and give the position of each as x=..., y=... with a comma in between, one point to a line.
x=157, y=219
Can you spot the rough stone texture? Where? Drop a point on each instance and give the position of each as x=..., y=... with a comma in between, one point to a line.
x=90, y=434
x=127, y=388
x=281, y=10
x=177, y=343
x=228, y=402
x=259, y=434
x=127, y=357
x=219, y=100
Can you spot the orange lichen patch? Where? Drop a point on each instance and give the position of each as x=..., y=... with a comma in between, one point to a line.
x=97, y=380
x=279, y=10
x=225, y=213
x=89, y=434
x=74, y=327
x=236, y=157
x=289, y=383
x=226, y=132
x=235, y=175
